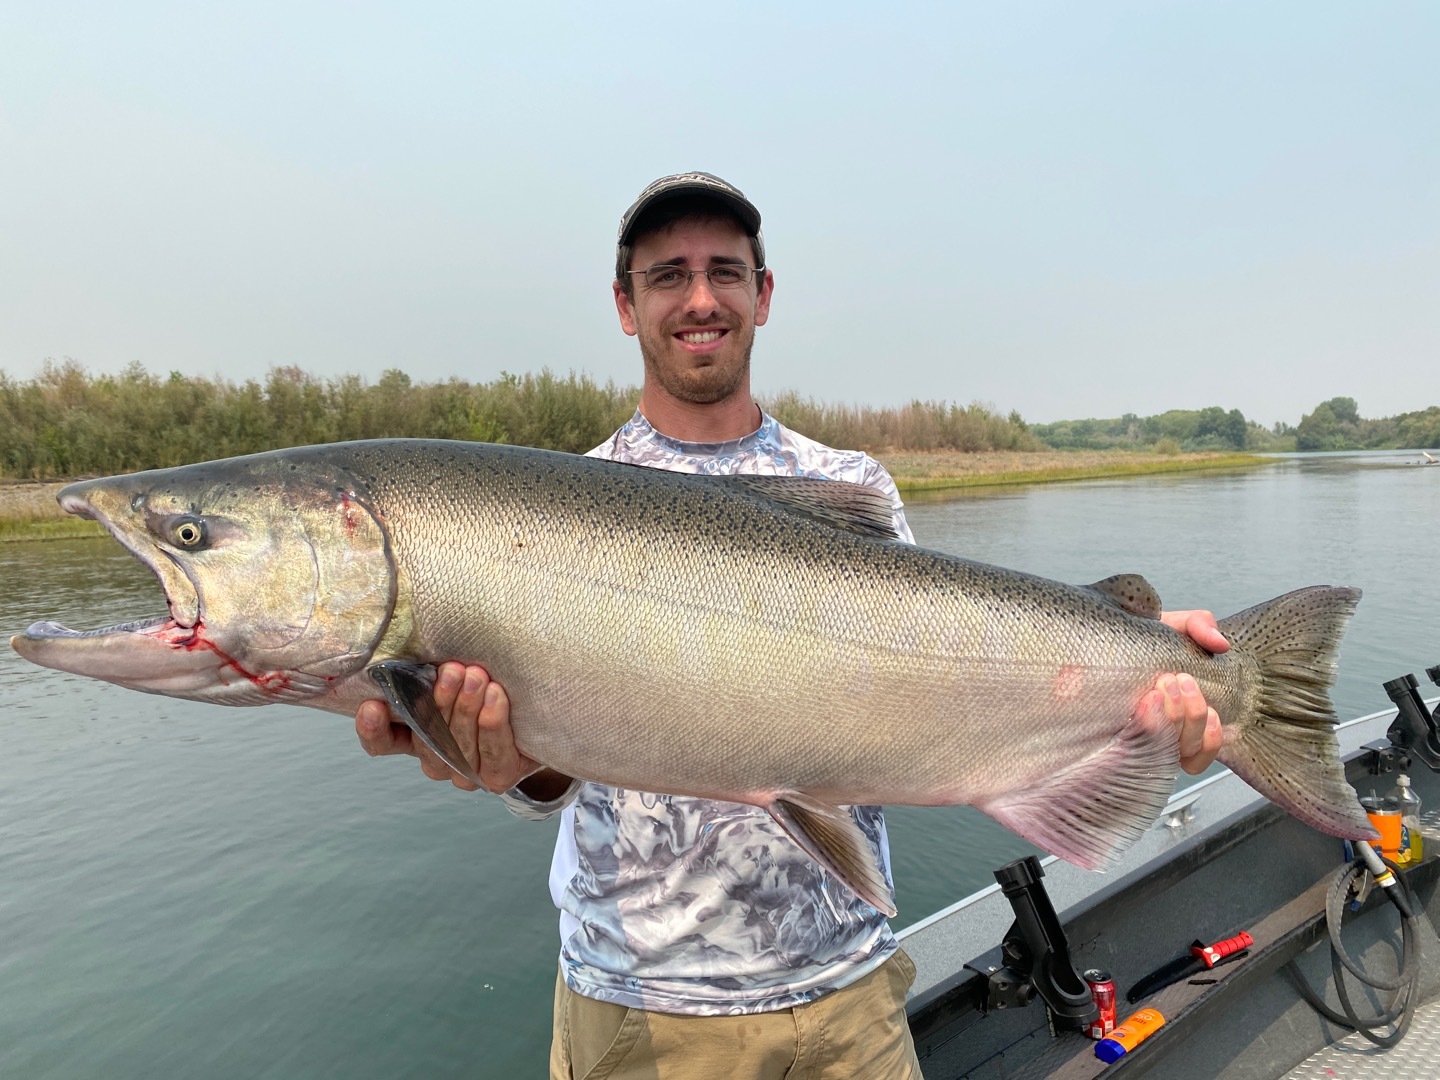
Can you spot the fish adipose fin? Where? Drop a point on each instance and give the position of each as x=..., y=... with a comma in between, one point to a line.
x=1131, y=592
x=1287, y=750
x=830, y=836
x=407, y=688
x=1093, y=809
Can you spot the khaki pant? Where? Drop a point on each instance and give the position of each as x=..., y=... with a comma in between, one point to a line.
x=857, y=1032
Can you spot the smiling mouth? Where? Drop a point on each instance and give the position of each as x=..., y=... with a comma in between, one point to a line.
x=700, y=337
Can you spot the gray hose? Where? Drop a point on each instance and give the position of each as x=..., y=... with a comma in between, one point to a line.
x=1401, y=1007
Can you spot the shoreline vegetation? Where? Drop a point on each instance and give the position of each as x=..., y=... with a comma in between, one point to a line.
x=68, y=424
x=950, y=471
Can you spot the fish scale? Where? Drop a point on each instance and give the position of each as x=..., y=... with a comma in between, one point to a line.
x=764, y=640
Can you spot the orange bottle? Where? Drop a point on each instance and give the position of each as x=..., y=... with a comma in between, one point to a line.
x=1129, y=1035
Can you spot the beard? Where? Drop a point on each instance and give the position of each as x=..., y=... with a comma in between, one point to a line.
x=711, y=379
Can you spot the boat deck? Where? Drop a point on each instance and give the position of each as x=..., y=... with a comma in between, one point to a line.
x=1353, y=1058
x=1228, y=861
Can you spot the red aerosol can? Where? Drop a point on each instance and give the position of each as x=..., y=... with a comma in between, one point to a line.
x=1102, y=989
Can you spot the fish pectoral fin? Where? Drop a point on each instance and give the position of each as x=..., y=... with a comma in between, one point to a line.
x=407, y=688
x=1090, y=811
x=1131, y=592
x=830, y=836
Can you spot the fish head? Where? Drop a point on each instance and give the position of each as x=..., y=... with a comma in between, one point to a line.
x=277, y=571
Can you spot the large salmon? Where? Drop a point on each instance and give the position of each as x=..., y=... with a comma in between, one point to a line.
x=763, y=640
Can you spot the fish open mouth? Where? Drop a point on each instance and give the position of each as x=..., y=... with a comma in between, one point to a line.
x=182, y=596
x=155, y=655
x=165, y=654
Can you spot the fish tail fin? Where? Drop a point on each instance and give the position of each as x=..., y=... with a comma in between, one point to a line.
x=1287, y=750
x=1090, y=811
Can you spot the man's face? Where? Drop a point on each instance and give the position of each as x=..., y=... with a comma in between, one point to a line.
x=696, y=339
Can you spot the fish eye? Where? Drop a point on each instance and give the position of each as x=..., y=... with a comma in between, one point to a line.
x=188, y=532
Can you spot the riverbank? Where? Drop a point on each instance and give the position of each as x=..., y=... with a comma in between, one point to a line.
x=919, y=473
x=28, y=510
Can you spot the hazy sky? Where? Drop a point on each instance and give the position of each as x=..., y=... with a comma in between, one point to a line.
x=1068, y=209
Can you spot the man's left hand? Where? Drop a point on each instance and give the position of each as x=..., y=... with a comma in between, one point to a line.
x=1200, y=734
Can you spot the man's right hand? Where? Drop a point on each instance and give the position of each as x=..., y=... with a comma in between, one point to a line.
x=478, y=712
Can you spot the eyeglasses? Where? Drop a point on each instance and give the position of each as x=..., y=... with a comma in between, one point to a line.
x=721, y=276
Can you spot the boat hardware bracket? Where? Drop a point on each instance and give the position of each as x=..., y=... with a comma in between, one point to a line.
x=1180, y=811
x=1415, y=729
x=1383, y=757
x=1035, y=954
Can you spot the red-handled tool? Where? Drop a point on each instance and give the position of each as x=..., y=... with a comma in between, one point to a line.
x=1201, y=957
x=1210, y=955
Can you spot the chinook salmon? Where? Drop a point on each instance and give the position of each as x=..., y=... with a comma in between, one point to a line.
x=762, y=640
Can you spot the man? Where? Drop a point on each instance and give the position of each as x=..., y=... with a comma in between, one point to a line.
x=697, y=939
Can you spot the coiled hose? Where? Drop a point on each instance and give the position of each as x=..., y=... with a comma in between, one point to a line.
x=1401, y=1007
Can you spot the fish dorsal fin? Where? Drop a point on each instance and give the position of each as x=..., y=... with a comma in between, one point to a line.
x=840, y=504
x=1131, y=592
x=830, y=836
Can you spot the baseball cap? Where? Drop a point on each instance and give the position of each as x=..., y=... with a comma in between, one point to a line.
x=702, y=184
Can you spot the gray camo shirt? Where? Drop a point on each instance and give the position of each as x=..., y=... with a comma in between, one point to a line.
x=683, y=905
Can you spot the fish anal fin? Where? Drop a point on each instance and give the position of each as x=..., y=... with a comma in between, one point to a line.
x=830, y=836
x=1131, y=592
x=408, y=689
x=1090, y=811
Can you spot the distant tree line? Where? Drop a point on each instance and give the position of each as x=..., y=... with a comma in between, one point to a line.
x=67, y=422
x=920, y=425
x=1334, y=425
x=1337, y=425
x=1211, y=428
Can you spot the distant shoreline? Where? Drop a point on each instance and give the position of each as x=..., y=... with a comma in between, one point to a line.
x=943, y=470
x=28, y=510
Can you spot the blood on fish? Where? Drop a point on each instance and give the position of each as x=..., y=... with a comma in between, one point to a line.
x=193, y=638
x=347, y=507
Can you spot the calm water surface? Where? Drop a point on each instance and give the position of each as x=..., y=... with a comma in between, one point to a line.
x=188, y=890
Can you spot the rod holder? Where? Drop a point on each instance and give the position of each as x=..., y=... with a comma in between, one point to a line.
x=1414, y=729
x=1036, y=952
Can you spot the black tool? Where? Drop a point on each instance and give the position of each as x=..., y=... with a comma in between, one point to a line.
x=1201, y=957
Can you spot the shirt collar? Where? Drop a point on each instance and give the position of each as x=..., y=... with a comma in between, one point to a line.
x=765, y=436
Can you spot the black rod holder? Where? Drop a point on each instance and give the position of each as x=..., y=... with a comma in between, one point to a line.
x=1414, y=729
x=1036, y=949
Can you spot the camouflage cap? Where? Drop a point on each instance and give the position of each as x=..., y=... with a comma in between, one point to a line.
x=703, y=184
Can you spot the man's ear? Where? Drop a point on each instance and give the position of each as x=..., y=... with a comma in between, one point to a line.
x=762, y=299
x=625, y=306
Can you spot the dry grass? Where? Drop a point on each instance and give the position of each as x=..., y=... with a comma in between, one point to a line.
x=28, y=511
x=936, y=470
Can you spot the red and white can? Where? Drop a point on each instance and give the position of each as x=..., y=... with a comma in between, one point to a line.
x=1102, y=989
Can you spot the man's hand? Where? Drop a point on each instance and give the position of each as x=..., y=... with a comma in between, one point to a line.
x=1200, y=733
x=478, y=712
x=1199, y=627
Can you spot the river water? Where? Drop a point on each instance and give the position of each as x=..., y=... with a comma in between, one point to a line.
x=188, y=890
